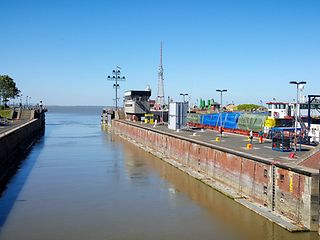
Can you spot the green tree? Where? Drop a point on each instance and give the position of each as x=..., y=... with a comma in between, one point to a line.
x=8, y=89
x=247, y=107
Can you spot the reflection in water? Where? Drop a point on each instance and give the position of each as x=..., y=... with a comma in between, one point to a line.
x=242, y=222
x=12, y=192
x=84, y=183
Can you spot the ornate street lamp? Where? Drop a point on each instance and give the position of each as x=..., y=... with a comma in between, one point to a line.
x=116, y=77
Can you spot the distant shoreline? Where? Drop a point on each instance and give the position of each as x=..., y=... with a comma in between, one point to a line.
x=96, y=110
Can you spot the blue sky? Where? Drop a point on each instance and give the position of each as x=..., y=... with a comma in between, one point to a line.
x=61, y=51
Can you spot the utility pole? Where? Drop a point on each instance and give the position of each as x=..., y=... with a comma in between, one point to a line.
x=116, y=77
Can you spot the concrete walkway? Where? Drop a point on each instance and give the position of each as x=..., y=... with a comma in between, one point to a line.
x=237, y=144
x=11, y=125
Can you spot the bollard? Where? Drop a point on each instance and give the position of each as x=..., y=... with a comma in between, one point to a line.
x=292, y=155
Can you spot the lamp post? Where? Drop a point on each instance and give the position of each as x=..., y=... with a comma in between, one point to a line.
x=116, y=76
x=296, y=111
x=184, y=96
x=221, y=91
x=21, y=100
x=160, y=98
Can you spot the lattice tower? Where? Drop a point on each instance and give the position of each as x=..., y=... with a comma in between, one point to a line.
x=160, y=96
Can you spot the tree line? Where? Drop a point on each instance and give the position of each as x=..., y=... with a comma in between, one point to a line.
x=8, y=89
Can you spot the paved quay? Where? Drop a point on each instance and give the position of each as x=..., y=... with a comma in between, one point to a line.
x=235, y=143
x=11, y=125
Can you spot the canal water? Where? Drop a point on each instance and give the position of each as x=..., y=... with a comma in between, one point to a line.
x=81, y=182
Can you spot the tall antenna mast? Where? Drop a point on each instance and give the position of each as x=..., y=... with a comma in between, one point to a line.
x=161, y=53
x=160, y=97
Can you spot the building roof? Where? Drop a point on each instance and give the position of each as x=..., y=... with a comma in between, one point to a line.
x=141, y=93
x=277, y=103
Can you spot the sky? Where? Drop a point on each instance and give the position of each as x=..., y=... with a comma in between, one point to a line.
x=61, y=51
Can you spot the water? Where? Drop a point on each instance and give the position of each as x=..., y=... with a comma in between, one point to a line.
x=80, y=182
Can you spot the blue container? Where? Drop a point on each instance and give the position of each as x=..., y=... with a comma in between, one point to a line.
x=230, y=120
x=210, y=119
x=226, y=120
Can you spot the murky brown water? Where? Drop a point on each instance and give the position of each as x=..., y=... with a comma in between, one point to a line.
x=80, y=182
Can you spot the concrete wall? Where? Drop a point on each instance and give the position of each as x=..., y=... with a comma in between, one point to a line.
x=293, y=194
x=14, y=142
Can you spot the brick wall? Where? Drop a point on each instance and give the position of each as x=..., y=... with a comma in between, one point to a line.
x=284, y=191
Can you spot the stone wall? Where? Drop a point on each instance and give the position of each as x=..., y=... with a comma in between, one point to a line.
x=289, y=192
x=15, y=142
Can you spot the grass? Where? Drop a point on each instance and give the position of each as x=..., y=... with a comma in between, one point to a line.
x=6, y=113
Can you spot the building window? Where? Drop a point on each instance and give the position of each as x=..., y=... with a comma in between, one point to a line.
x=265, y=173
x=281, y=178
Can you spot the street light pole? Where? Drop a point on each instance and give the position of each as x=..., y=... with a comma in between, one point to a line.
x=296, y=112
x=184, y=96
x=220, y=110
x=221, y=91
x=160, y=98
x=116, y=77
x=21, y=100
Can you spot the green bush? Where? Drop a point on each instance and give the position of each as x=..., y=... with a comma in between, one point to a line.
x=247, y=107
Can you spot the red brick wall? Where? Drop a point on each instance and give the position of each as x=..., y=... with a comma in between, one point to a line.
x=250, y=178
